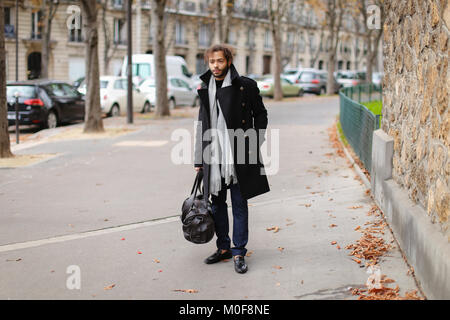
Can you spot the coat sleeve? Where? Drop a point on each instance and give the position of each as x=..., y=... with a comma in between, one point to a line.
x=198, y=149
x=259, y=112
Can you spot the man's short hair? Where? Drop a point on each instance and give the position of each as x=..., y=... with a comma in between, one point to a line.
x=227, y=52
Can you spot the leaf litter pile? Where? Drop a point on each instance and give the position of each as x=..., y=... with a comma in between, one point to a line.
x=370, y=247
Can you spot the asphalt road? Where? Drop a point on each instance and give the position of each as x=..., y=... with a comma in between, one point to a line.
x=107, y=210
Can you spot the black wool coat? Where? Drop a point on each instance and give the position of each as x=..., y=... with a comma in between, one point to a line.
x=242, y=108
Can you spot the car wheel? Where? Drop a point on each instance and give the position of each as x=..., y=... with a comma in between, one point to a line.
x=172, y=103
x=196, y=102
x=52, y=120
x=300, y=92
x=115, y=110
x=147, y=107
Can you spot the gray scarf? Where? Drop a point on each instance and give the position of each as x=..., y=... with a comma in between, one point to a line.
x=220, y=142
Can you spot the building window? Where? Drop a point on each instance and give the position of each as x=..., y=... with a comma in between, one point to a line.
x=118, y=4
x=9, y=26
x=180, y=33
x=268, y=39
x=119, y=31
x=250, y=37
x=204, y=36
x=75, y=35
x=320, y=65
x=200, y=65
x=36, y=24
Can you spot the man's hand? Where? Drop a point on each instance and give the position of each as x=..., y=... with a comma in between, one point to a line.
x=198, y=168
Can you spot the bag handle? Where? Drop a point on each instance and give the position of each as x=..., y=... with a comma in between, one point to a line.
x=198, y=179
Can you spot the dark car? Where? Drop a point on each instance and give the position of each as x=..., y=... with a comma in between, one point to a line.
x=46, y=103
x=312, y=81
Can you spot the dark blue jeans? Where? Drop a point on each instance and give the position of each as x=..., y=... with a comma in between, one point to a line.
x=240, y=219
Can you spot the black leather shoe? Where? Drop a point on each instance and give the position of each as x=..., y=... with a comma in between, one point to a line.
x=239, y=264
x=218, y=256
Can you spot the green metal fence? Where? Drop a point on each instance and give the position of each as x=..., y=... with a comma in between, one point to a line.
x=358, y=122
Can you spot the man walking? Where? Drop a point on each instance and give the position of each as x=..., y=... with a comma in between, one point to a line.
x=230, y=104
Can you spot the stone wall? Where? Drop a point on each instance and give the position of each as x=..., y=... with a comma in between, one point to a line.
x=416, y=101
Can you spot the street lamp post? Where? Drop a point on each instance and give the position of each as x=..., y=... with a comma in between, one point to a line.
x=17, y=40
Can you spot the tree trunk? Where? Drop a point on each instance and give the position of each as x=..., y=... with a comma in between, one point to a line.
x=162, y=103
x=227, y=20
x=218, y=22
x=5, y=149
x=275, y=18
x=93, y=118
x=49, y=9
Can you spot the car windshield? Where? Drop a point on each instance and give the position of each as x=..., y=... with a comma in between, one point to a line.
x=24, y=91
x=103, y=84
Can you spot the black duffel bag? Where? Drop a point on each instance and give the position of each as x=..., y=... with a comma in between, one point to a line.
x=196, y=215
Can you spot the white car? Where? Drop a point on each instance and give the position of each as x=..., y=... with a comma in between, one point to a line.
x=113, y=96
x=179, y=92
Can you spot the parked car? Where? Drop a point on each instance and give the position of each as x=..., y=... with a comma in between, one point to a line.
x=266, y=87
x=347, y=78
x=113, y=96
x=292, y=74
x=312, y=81
x=78, y=82
x=46, y=103
x=179, y=92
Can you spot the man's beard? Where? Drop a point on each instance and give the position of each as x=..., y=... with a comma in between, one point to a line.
x=223, y=73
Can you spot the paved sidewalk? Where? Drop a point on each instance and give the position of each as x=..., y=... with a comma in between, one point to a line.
x=113, y=212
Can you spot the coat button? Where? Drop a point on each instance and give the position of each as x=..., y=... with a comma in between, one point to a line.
x=242, y=88
x=243, y=121
x=243, y=104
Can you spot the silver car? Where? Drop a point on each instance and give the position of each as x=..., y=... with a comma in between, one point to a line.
x=179, y=92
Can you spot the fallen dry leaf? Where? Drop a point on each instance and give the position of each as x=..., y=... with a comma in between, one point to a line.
x=156, y=260
x=109, y=287
x=249, y=253
x=333, y=225
x=186, y=290
x=333, y=243
x=280, y=249
x=355, y=207
x=278, y=267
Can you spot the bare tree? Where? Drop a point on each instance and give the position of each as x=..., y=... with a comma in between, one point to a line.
x=5, y=148
x=49, y=8
x=277, y=11
x=162, y=103
x=109, y=46
x=93, y=119
x=332, y=12
x=223, y=21
x=371, y=36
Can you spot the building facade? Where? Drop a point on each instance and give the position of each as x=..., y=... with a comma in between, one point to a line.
x=189, y=31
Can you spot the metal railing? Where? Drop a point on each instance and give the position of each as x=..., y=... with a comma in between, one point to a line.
x=357, y=121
